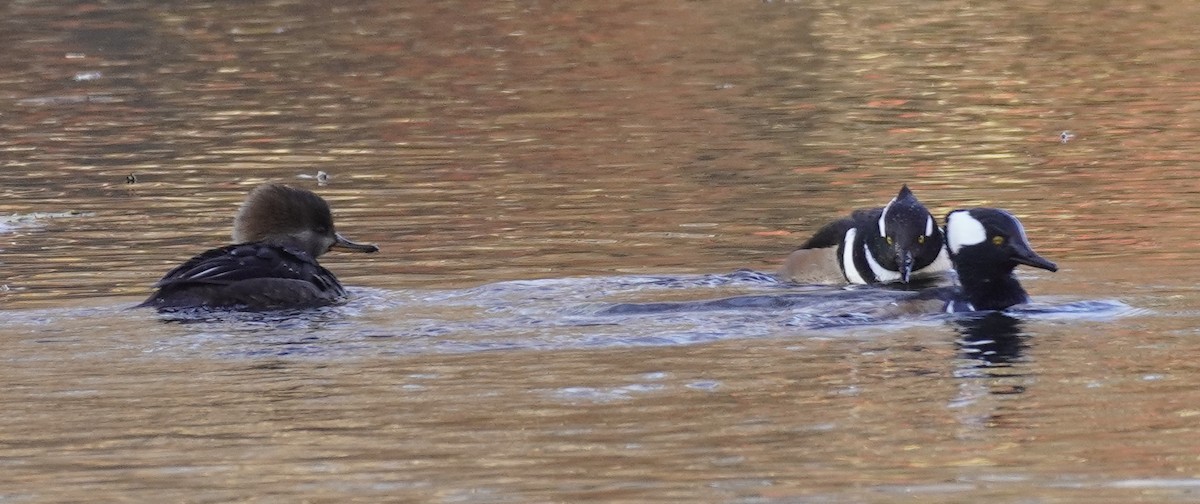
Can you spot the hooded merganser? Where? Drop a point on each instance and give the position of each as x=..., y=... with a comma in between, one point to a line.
x=986, y=245
x=893, y=243
x=278, y=233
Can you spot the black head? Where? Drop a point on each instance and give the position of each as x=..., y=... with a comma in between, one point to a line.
x=986, y=244
x=906, y=238
x=988, y=238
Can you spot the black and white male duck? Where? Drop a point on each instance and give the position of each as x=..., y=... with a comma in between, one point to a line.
x=897, y=242
x=985, y=245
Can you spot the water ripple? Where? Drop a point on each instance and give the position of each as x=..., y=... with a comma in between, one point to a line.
x=548, y=314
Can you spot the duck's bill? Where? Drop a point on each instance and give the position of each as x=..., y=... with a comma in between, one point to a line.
x=906, y=265
x=1030, y=258
x=348, y=246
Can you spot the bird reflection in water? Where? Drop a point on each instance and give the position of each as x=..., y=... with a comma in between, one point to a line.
x=990, y=339
x=991, y=366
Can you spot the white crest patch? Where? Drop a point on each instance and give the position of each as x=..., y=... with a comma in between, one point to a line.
x=929, y=225
x=848, y=267
x=883, y=274
x=883, y=215
x=963, y=230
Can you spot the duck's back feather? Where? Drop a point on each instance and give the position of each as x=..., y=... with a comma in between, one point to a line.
x=832, y=234
x=253, y=276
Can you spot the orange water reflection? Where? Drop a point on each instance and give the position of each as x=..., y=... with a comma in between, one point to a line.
x=479, y=142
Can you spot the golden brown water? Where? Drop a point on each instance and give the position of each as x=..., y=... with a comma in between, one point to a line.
x=523, y=165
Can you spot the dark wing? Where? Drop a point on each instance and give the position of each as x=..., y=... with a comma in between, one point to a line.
x=247, y=261
x=832, y=234
x=247, y=276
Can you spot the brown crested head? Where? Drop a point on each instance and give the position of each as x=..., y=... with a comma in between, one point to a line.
x=283, y=215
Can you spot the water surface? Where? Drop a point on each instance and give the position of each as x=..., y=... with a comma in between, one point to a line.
x=525, y=165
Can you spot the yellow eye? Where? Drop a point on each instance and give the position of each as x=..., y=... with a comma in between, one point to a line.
x=997, y=240
x=921, y=239
x=889, y=240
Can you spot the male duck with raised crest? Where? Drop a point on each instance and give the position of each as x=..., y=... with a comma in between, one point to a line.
x=278, y=234
x=985, y=246
x=894, y=243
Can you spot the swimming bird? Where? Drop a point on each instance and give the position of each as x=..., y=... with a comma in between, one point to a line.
x=985, y=245
x=898, y=242
x=278, y=233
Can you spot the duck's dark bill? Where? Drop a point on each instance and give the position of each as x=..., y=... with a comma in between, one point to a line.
x=1029, y=258
x=906, y=264
x=348, y=246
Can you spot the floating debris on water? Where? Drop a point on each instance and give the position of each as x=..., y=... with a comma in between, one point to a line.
x=322, y=177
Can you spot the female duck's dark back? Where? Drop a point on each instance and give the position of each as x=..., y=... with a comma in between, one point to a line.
x=279, y=232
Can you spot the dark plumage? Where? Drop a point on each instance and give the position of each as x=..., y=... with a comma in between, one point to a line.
x=893, y=243
x=986, y=245
x=279, y=233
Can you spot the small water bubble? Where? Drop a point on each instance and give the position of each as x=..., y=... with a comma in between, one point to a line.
x=588, y=394
x=850, y=391
x=640, y=387
x=87, y=76
x=821, y=427
x=729, y=461
x=705, y=385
